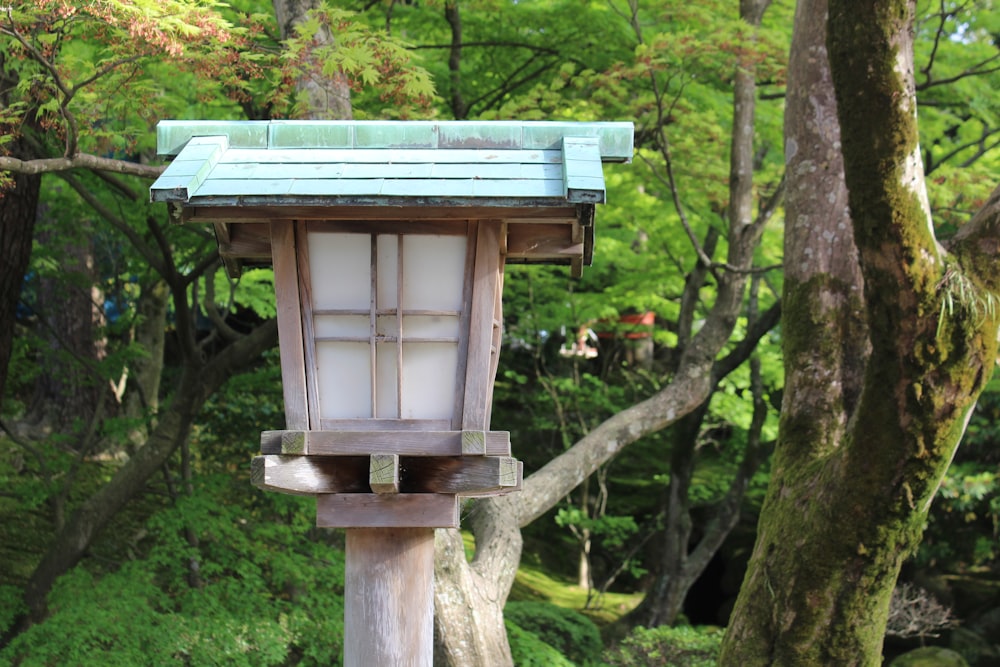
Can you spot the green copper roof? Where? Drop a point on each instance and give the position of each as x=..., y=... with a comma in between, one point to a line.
x=615, y=138
x=275, y=163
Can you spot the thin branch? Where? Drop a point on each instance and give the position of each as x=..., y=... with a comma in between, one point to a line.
x=976, y=70
x=984, y=148
x=118, y=223
x=79, y=161
x=119, y=185
x=212, y=311
x=72, y=129
x=671, y=184
x=208, y=259
x=943, y=17
x=28, y=447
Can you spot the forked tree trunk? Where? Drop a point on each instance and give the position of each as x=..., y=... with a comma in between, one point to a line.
x=865, y=436
x=469, y=597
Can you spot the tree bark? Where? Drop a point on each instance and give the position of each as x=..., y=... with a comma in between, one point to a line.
x=469, y=597
x=325, y=97
x=18, y=212
x=868, y=430
x=69, y=389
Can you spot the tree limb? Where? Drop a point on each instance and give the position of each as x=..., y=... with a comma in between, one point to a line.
x=79, y=161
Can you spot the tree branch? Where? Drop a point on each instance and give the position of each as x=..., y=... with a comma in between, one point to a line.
x=79, y=161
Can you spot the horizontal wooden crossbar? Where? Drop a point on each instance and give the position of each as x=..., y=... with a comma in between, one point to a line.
x=404, y=443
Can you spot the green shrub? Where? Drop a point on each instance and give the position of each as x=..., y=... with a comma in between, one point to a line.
x=570, y=632
x=665, y=646
x=530, y=651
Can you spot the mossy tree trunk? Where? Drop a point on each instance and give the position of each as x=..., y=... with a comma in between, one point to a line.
x=878, y=390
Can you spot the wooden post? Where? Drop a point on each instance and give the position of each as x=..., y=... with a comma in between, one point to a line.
x=389, y=597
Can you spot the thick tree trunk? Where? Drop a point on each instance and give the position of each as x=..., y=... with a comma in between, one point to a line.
x=324, y=97
x=867, y=430
x=69, y=389
x=18, y=211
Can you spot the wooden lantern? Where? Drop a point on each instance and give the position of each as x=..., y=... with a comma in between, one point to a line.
x=388, y=242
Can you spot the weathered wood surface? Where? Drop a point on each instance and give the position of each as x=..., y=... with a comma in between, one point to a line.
x=290, y=337
x=463, y=475
x=389, y=510
x=305, y=475
x=365, y=443
x=383, y=473
x=482, y=330
x=386, y=473
x=389, y=597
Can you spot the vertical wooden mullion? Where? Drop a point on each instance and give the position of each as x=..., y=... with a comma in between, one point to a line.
x=290, y=325
x=399, y=326
x=373, y=324
x=308, y=326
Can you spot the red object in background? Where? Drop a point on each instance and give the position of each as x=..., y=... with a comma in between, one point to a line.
x=633, y=327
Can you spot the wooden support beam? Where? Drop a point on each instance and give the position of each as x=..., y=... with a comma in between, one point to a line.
x=389, y=510
x=389, y=597
x=463, y=475
x=306, y=475
x=387, y=473
x=290, y=337
x=383, y=473
x=487, y=276
x=365, y=443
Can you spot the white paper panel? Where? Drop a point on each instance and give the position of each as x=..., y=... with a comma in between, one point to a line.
x=388, y=265
x=429, y=375
x=433, y=272
x=430, y=326
x=345, y=379
x=387, y=381
x=340, y=269
x=354, y=326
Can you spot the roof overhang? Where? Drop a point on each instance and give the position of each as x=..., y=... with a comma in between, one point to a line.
x=253, y=172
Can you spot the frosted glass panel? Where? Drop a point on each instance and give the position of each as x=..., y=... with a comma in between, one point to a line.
x=429, y=375
x=343, y=326
x=345, y=380
x=387, y=381
x=388, y=270
x=340, y=270
x=433, y=272
x=430, y=326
